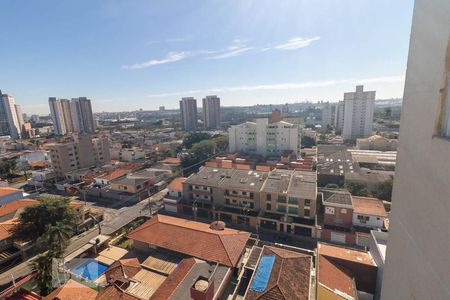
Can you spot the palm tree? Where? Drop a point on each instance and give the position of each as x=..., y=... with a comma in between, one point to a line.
x=57, y=238
x=42, y=266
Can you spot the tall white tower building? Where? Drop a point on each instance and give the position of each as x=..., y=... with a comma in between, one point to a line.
x=358, y=113
x=188, y=109
x=211, y=112
x=9, y=122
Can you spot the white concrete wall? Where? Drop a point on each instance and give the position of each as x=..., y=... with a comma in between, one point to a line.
x=417, y=259
x=373, y=222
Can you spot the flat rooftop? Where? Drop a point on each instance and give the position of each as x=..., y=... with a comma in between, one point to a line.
x=353, y=255
x=247, y=180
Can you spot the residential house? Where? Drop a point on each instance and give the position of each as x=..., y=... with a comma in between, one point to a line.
x=174, y=195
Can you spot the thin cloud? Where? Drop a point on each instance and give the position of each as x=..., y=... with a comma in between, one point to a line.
x=297, y=43
x=170, y=58
x=178, y=39
x=231, y=52
x=283, y=86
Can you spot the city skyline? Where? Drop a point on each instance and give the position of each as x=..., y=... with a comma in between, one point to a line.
x=259, y=59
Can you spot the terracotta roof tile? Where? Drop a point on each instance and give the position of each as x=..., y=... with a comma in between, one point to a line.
x=335, y=277
x=171, y=283
x=8, y=190
x=6, y=229
x=177, y=184
x=193, y=239
x=358, y=256
x=171, y=160
x=290, y=276
x=369, y=206
x=72, y=290
x=11, y=207
x=124, y=268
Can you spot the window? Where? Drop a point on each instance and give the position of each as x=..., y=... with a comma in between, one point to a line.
x=307, y=202
x=307, y=213
x=251, y=196
x=292, y=200
x=343, y=211
x=268, y=197
x=293, y=210
x=227, y=201
x=244, y=193
x=281, y=208
x=268, y=206
x=362, y=219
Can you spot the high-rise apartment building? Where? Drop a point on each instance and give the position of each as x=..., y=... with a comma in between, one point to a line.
x=188, y=109
x=83, y=152
x=9, y=120
x=82, y=117
x=418, y=246
x=339, y=116
x=264, y=138
x=211, y=112
x=327, y=116
x=358, y=113
x=71, y=115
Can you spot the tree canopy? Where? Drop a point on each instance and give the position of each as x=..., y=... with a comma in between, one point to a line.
x=35, y=221
x=193, y=138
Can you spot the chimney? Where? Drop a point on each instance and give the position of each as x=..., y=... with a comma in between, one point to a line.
x=202, y=289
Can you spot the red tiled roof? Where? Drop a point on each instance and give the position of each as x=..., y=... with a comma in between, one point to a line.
x=177, y=184
x=11, y=207
x=171, y=283
x=40, y=164
x=22, y=294
x=335, y=277
x=171, y=160
x=289, y=279
x=124, y=268
x=368, y=206
x=114, y=174
x=193, y=239
x=358, y=256
x=72, y=290
x=8, y=190
x=6, y=229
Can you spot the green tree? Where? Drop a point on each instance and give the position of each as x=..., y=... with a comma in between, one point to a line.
x=358, y=189
x=57, y=238
x=42, y=266
x=7, y=166
x=193, y=138
x=35, y=220
x=385, y=190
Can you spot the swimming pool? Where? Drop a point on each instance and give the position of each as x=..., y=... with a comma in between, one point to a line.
x=90, y=269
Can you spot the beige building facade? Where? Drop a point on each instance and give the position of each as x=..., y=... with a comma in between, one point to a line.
x=417, y=258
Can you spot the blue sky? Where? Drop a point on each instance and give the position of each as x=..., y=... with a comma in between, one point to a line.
x=127, y=55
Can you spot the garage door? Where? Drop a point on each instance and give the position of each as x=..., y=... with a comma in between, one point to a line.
x=338, y=237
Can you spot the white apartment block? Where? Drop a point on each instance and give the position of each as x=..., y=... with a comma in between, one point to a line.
x=417, y=256
x=9, y=119
x=264, y=138
x=358, y=113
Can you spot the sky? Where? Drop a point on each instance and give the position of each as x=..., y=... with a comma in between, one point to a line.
x=127, y=55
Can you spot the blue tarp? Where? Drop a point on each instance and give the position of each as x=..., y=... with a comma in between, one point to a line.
x=263, y=273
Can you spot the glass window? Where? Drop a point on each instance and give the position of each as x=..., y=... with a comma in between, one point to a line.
x=268, y=206
x=269, y=197
x=293, y=210
x=307, y=213
x=293, y=200
x=307, y=202
x=281, y=208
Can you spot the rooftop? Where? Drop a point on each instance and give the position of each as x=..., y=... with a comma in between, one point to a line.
x=246, y=180
x=290, y=276
x=8, y=190
x=333, y=197
x=209, y=176
x=353, y=255
x=14, y=206
x=336, y=278
x=369, y=206
x=72, y=290
x=278, y=181
x=177, y=184
x=222, y=246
